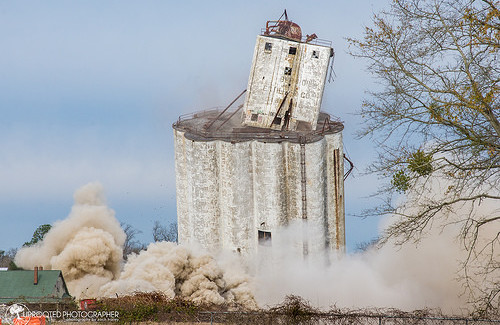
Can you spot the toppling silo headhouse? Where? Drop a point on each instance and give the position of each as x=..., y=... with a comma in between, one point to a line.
x=242, y=177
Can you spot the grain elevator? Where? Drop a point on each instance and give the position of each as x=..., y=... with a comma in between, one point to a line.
x=269, y=159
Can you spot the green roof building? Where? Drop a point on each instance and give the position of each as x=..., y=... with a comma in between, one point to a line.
x=34, y=286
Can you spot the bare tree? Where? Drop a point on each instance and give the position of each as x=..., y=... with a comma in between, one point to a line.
x=164, y=233
x=131, y=245
x=436, y=116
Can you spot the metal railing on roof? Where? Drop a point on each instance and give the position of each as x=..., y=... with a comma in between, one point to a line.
x=200, y=132
x=189, y=116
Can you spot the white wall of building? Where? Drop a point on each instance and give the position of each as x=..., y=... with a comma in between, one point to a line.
x=227, y=192
x=281, y=79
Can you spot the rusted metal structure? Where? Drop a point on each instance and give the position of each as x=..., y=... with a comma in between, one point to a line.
x=283, y=28
x=241, y=179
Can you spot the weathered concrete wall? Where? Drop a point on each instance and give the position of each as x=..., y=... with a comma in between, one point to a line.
x=227, y=192
x=286, y=76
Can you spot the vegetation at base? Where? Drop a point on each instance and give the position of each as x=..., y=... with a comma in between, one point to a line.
x=156, y=307
x=153, y=306
x=295, y=310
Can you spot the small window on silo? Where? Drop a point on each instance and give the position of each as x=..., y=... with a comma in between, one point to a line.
x=264, y=238
x=268, y=47
x=315, y=55
x=292, y=50
x=288, y=71
x=254, y=117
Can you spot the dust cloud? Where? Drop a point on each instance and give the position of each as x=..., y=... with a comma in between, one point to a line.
x=178, y=271
x=406, y=278
x=428, y=273
x=87, y=247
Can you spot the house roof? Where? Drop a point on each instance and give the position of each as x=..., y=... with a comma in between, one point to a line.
x=18, y=286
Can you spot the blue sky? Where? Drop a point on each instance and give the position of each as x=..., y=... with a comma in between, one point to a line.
x=89, y=91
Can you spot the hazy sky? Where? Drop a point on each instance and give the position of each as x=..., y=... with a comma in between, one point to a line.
x=89, y=91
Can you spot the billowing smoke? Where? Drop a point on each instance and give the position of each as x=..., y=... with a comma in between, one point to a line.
x=178, y=271
x=426, y=274
x=88, y=246
x=406, y=278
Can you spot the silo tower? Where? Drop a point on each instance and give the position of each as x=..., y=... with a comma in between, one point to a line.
x=242, y=177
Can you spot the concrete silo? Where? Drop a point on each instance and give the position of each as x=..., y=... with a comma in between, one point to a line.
x=242, y=177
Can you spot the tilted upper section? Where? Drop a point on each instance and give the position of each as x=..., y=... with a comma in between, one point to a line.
x=287, y=79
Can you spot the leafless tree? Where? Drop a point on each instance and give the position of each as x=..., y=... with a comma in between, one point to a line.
x=435, y=115
x=131, y=245
x=164, y=233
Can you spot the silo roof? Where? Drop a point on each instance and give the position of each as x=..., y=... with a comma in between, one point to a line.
x=215, y=124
